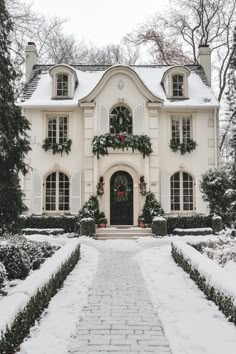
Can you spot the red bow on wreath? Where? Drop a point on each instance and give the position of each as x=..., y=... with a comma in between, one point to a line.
x=122, y=138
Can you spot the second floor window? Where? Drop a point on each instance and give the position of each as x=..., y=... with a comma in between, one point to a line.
x=181, y=129
x=57, y=129
x=178, y=85
x=62, y=85
x=120, y=120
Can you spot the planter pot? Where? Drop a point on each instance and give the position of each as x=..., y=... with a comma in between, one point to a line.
x=102, y=225
x=141, y=224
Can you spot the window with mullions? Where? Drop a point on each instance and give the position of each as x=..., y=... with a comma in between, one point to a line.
x=178, y=85
x=182, y=196
x=62, y=85
x=181, y=129
x=57, y=129
x=121, y=120
x=57, y=192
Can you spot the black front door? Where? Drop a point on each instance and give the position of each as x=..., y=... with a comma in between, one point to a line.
x=121, y=190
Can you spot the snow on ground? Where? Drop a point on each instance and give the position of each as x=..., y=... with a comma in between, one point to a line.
x=52, y=335
x=193, y=324
x=58, y=240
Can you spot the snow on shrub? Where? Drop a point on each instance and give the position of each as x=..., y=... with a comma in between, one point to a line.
x=34, y=252
x=27, y=301
x=3, y=274
x=217, y=284
x=15, y=260
x=47, y=249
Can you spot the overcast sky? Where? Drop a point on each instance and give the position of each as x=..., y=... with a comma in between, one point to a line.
x=99, y=21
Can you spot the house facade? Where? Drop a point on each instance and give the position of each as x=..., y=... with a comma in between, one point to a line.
x=119, y=130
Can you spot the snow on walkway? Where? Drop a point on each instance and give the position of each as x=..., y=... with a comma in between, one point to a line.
x=193, y=324
x=119, y=316
x=52, y=335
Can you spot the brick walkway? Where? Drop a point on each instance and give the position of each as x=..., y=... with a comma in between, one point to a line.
x=119, y=316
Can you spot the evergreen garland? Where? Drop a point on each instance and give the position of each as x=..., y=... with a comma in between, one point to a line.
x=14, y=143
x=57, y=147
x=183, y=147
x=101, y=143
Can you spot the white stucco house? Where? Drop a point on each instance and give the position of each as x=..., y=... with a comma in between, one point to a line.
x=68, y=105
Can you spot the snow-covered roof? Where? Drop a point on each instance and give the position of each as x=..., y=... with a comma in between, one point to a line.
x=38, y=92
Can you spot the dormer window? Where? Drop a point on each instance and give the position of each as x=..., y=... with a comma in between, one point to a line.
x=178, y=85
x=64, y=81
x=175, y=82
x=62, y=85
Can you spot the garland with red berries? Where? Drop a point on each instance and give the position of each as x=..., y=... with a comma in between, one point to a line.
x=101, y=143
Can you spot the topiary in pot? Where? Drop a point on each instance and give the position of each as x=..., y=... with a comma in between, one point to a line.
x=15, y=260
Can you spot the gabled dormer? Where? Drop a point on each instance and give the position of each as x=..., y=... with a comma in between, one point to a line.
x=64, y=81
x=175, y=82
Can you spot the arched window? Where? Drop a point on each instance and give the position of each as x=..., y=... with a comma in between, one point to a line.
x=62, y=85
x=57, y=192
x=182, y=196
x=120, y=120
x=178, y=85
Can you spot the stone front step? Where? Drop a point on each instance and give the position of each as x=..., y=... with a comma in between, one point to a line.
x=112, y=233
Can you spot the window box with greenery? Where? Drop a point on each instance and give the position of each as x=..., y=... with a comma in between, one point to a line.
x=57, y=135
x=181, y=134
x=101, y=143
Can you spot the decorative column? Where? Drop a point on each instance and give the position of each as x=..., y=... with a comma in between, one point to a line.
x=154, y=158
x=88, y=178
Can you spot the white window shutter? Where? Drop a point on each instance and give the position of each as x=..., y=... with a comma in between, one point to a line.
x=75, y=193
x=138, y=120
x=103, y=119
x=37, y=193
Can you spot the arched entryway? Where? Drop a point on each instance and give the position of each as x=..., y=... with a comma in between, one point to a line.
x=121, y=198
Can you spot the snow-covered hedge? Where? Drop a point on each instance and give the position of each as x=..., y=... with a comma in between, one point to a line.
x=214, y=281
x=26, y=302
x=66, y=222
x=187, y=222
x=195, y=231
x=159, y=226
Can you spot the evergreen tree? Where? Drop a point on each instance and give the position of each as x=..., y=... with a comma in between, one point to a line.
x=14, y=143
x=219, y=190
x=151, y=208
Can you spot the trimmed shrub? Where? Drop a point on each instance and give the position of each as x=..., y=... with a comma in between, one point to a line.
x=159, y=226
x=15, y=260
x=14, y=334
x=187, y=222
x=66, y=222
x=87, y=227
x=34, y=252
x=225, y=303
x=47, y=249
x=3, y=274
x=90, y=209
x=216, y=224
x=194, y=232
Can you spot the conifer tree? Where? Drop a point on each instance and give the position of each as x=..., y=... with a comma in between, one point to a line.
x=14, y=143
x=151, y=208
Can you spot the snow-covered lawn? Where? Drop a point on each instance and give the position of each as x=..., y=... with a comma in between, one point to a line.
x=193, y=324
x=58, y=322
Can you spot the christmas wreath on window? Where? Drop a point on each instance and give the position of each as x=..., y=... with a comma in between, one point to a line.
x=120, y=120
x=101, y=143
x=183, y=147
x=57, y=147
